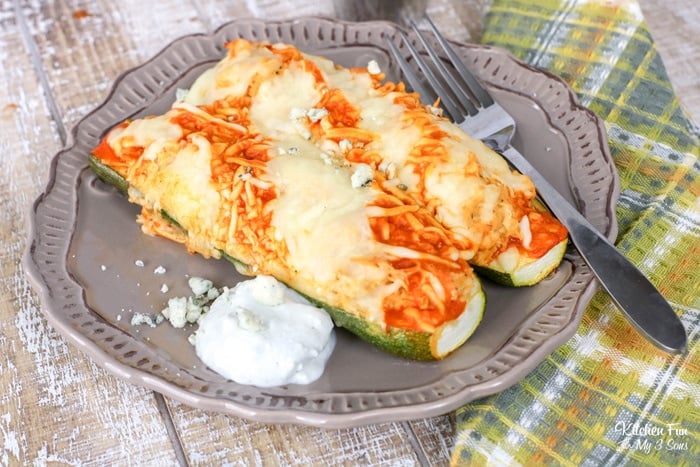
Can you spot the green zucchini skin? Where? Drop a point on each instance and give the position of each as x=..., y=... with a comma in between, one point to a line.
x=413, y=345
x=240, y=266
x=108, y=174
x=164, y=214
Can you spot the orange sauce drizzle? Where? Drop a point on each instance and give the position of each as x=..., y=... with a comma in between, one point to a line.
x=434, y=281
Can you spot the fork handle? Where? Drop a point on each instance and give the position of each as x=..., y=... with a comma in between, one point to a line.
x=633, y=293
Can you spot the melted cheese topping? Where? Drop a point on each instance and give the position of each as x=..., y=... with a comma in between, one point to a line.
x=272, y=111
x=233, y=76
x=319, y=215
x=144, y=132
x=322, y=220
x=468, y=187
x=174, y=176
x=346, y=189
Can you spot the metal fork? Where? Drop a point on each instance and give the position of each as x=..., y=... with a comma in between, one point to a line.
x=470, y=105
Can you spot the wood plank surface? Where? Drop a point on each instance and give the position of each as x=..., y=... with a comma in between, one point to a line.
x=214, y=438
x=58, y=61
x=54, y=401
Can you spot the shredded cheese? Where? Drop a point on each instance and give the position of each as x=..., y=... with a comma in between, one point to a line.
x=328, y=179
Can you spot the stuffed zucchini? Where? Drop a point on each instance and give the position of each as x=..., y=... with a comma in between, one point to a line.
x=381, y=265
x=354, y=117
x=347, y=189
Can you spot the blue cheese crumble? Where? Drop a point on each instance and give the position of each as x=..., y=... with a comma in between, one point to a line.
x=181, y=94
x=344, y=145
x=138, y=319
x=362, y=176
x=183, y=310
x=199, y=286
x=316, y=114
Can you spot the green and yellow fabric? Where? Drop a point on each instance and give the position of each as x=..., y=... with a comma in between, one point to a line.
x=608, y=397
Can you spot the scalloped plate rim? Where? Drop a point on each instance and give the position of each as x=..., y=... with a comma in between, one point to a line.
x=287, y=415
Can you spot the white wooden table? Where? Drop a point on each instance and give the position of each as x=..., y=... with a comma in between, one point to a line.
x=58, y=61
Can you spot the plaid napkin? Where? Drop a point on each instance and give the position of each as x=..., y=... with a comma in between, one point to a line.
x=608, y=397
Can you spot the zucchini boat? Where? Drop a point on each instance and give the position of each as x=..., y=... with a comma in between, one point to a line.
x=381, y=265
x=355, y=118
x=346, y=188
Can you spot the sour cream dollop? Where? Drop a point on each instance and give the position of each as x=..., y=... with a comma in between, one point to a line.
x=264, y=334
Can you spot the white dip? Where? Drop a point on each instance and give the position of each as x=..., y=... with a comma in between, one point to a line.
x=264, y=334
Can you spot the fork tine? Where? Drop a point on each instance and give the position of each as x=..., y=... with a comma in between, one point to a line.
x=457, y=90
x=426, y=92
x=446, y=100
x=470, y=80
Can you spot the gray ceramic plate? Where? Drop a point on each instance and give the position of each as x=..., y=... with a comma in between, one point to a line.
x=84, y=242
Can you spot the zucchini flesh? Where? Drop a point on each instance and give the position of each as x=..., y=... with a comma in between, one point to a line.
x=410, y=344
x=528, y=274
x=529, y=271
